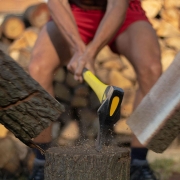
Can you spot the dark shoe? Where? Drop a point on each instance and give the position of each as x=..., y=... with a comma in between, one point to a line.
x=140, y=170
x=38, y=170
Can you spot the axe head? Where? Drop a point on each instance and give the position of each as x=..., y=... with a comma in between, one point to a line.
x=109, y=114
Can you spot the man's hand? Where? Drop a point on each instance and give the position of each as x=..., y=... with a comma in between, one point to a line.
x=78, y=62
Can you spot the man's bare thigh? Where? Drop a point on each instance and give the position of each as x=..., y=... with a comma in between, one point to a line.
x=138, y=42
x=51, y=46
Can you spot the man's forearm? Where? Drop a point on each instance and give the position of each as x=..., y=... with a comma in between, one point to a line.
x=62, y=15
x=112, y=20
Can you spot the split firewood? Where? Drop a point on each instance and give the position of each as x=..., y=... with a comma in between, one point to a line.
x=3, y=131
x=12, y=26
x=171, y=4
x=79, y=101
x=167, y=57
x=173, y=42
x=70, y=81
x=121, y=127
x=152, y=7
x=167, y=30
x=60, y=75
x=88, y=123
x=69, y=134
x=20, y=50
x=26, y=40
x=26, y=109
x=22, y=57
x=128, y=71
x=116, y=79
x=81, y=90
x=172, y=16
x=94, y=103
x=84, y=162
x=4, y=47
x=62, y=92
x=155, y=23
x=9, y=159
x=127, y=103
x=37, y=15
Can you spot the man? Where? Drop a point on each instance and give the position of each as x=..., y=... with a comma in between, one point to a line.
x=79, y=29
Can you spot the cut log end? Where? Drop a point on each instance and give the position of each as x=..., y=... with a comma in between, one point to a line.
x=13, y=27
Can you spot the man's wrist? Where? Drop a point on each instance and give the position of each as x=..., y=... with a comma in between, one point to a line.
x=80, y=47
x=91, y=50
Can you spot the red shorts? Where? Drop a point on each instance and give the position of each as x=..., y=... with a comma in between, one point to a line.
x=88, y=20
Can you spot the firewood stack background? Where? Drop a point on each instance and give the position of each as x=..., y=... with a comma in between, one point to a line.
x=20, y=23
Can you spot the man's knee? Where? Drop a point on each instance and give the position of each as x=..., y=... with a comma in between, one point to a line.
x=148, y=74
x=37, y=66
x=151, y=68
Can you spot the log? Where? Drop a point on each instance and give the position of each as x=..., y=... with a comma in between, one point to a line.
x=84, y=162
x=12, y=26
x=22, y=57
x=26, y=109
x=37, y=15
x=26, y=40
x=155, y=121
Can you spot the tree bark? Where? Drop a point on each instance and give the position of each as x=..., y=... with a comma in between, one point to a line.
x=26, y=109
x=85, y=163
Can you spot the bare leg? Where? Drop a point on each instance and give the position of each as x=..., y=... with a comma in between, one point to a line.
x=140, y=45
x=50, y=51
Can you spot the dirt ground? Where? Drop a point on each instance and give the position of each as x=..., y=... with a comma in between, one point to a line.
x=166, y=164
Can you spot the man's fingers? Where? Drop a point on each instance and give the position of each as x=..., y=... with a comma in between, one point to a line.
x=80, y=68
x=78, y=78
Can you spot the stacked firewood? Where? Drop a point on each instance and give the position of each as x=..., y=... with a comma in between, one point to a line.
x=165, y=18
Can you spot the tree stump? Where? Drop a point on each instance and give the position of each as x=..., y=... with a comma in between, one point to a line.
x=26, y=109
x=85, y=163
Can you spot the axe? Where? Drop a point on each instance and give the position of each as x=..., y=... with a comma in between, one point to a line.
x=156, y=120
x=110, y=98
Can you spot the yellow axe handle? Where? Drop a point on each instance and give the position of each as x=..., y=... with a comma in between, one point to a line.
x=97, y=86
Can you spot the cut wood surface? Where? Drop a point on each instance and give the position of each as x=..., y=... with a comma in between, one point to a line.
x=155, y=122
x=85, y=163
x=37, y=15
x=12, y=26
x=25, y=107
x=152, y=7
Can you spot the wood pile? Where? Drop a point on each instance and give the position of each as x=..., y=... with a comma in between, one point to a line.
x=18, y=34
x=165, y=18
